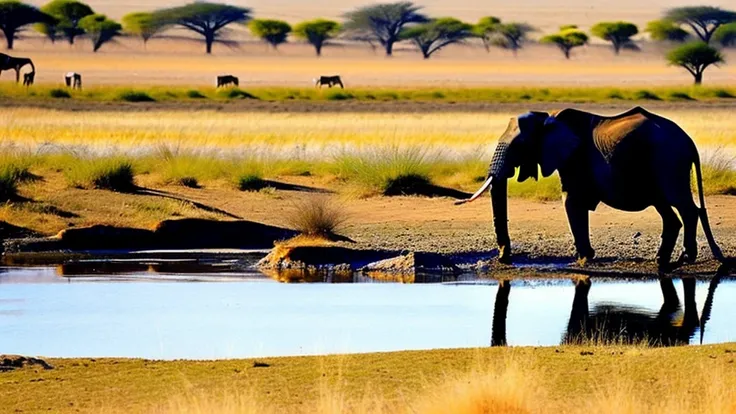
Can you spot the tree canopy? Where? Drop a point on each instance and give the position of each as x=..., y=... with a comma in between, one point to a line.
x=143, y=24
x=666, y=31
x=569, y=37
x=384, y=22
x=317, y=32
x=486, y=28
x=726, y=35
x=618, y=33
x=273, y=32
x=695, y=57
x=66, y=14
x=100, y=29
x=703, y=20
x=15, y=15
x=434, y=35
x=205, y=19
x=511, y=35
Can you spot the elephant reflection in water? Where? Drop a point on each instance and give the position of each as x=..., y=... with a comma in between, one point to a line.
x=619, y=324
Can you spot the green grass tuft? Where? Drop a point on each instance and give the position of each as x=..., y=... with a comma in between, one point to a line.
x=59, y=93
x=108, y=173
x=338, y=96
x=719, y=172
x=645, y=95
x=236, y=93
x=135, y=96
x=723, y=94
x=195, y=94
x=251, y=182
x=680, y=96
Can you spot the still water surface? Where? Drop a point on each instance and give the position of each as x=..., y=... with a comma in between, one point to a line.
x=249, y=315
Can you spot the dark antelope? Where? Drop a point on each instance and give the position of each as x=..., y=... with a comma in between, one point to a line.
x=329, y=81
x=225, y=80
x=15, y=63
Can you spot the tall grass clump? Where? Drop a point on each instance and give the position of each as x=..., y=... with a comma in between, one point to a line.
x=317, y=216
x=134, y=96
x=235, y=93
x=59, y=93
x=195, y=94
x=13, y=171
x=389, y=170
x=107, y=173
x=248, y=174
x=545, y=189
x=719, y=172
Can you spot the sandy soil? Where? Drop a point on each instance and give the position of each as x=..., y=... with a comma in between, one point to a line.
x=183, y=62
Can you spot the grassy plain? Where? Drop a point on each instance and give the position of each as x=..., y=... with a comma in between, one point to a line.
x=589, y=379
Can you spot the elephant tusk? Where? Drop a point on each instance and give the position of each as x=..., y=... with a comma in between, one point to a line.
x=486, y=185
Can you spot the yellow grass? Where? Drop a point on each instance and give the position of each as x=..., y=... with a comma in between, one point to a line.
x=289, y=134
x=568, y=379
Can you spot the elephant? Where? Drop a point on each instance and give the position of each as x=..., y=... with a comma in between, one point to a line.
x=614, y=324
x=629, y=161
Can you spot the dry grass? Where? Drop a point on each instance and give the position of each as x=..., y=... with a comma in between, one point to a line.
x=569, y=379
x=317, y=216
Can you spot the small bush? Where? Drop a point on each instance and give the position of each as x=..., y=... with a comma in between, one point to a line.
x=195, y=94
x=190, y=182
x=681, y=96
x=251, y=182
x=59, y=93
x=317, y=216
x=115, y=174
x=722, y=93
x=645, y=95
x=135, y=96
x=407, y=184
x=236, y=93
x=339, y=96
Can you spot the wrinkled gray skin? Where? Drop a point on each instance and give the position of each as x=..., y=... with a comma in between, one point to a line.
x=629, y=161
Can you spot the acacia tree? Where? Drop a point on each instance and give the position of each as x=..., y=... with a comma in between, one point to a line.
x=695, y=57
x=205, y=19
x=511, y=35
x=568, y=38
x=66, y=14
x=317, y=32
x=434, y=35
x=703, y=20
x=666, y=31
x=384, y=21
x=15, y=15
x=100, y=29
x=726, y=35
x=485, y=29
x=143, y=24
x=618, y=33
x=273, y=32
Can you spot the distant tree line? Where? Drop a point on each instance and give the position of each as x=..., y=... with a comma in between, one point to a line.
x=701, y=30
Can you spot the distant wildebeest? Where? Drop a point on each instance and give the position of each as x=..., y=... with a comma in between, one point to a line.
x=225, y=80
x=73, y=80
x=28, y=78
x=14, y=63
x=329, y=81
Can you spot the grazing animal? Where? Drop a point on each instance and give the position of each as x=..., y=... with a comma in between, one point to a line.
x=15, y=63
x=629, y=161
x=73, y=80
x=28, y=78
x=225, y=80
x=329, y=81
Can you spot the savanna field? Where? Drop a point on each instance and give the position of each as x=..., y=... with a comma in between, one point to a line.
x=373, y=168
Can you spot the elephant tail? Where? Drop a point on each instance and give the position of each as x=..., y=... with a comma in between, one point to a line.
x=717, y=253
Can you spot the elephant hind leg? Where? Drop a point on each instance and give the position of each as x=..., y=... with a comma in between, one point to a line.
x=689, y=214
x=670, y=230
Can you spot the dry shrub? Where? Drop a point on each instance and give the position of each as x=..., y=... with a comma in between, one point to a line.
x=317, y=216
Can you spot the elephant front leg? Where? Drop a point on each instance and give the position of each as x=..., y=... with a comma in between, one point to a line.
x=577, y=217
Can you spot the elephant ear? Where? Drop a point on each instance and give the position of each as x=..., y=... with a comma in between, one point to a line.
x=531, y=125
x=558, y=142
